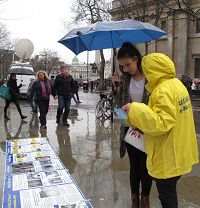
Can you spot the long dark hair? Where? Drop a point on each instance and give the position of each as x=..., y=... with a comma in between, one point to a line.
x=11, y=75
x=128, y=50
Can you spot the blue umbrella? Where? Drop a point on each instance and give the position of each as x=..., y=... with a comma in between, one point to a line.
x=102, y=35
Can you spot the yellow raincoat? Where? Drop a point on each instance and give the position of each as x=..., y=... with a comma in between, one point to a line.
x=167, y=121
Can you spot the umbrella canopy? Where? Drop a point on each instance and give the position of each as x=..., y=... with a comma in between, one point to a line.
x=21, y=70
x=113, y=34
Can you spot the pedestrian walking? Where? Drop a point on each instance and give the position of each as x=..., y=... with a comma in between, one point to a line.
x=32, y=102
x=168, y=124
x=76, y=89
x=63, y=90
x=129, y=87
x=52, y=79
x=91, y=86
x=40, y=92
x=14, y=91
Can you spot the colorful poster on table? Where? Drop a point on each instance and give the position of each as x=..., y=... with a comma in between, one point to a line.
x=36, y=178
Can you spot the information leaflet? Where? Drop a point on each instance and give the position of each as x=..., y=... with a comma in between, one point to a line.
x=36, y=178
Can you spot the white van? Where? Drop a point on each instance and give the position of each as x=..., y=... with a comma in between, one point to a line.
x=23, y=79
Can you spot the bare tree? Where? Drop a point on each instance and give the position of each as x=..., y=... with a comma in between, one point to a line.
x=5, y=50
x=48, y=61
x=5, y=42
x=142, y=12
x=92, y=11
x=183, y=6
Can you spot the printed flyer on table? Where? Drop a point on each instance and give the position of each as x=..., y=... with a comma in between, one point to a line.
x=36, y=178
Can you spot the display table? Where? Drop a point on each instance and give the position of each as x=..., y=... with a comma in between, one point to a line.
x=36, y=178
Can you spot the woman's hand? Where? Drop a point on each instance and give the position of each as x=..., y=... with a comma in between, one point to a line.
x=116, y=79
x=126, y=107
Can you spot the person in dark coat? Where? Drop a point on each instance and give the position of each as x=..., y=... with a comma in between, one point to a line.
x=32, y=103
x=41, y=90
x=63, y=89
x=14, y=91
x=76, y=88
x=1, y=82
x=91, y=86
x=52, y=80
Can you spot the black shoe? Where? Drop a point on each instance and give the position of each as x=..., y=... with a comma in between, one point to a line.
x=66, y=124
x=23, y=117
x=43, y=127
x=58, y=122
x=6, y=118
x=79, y=101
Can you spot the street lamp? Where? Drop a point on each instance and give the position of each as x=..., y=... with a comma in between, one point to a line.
x=45, y=59
x=87, y=63
x=87, y=84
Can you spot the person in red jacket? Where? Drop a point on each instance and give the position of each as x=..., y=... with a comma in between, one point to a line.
x=41, y=90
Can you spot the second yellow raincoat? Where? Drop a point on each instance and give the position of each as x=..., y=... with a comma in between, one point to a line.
x=167, y=121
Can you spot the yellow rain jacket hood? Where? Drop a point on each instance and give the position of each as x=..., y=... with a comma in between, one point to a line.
x=167, y=121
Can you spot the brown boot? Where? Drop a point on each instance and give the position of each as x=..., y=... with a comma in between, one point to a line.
x=135, y=200
x=145, y=203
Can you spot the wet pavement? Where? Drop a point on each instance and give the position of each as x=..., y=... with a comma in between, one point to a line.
x=90, y=150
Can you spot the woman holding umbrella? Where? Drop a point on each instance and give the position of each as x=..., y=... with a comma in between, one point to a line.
x=130, y=88
x=14, y=90
x=41, y=91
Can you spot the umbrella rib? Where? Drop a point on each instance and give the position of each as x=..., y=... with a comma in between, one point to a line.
x=111, y=39
x=148, y=35
x=82, y=43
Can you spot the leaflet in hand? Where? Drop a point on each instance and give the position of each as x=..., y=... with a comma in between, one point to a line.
x=121, y=114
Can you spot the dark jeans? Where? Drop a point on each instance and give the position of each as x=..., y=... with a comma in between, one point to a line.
x=63, y=103
x=138, y=171
x=33, y=106
x=167, y=191
x=43, y=106
x=75, y=100
x=7, y=105
x=77, y=96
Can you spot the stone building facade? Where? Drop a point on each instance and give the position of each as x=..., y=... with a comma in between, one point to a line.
x=82, y=71
x=7, y=57
x=107, y=68
x=182, y=42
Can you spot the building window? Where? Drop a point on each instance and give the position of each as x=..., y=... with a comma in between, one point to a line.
x=197, y=68
x=163, y=25
x=198, y=25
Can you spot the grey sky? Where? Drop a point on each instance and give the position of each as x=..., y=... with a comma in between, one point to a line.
x=41, y=21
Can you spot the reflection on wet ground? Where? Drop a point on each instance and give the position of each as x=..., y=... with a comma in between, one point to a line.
x=89, y=149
